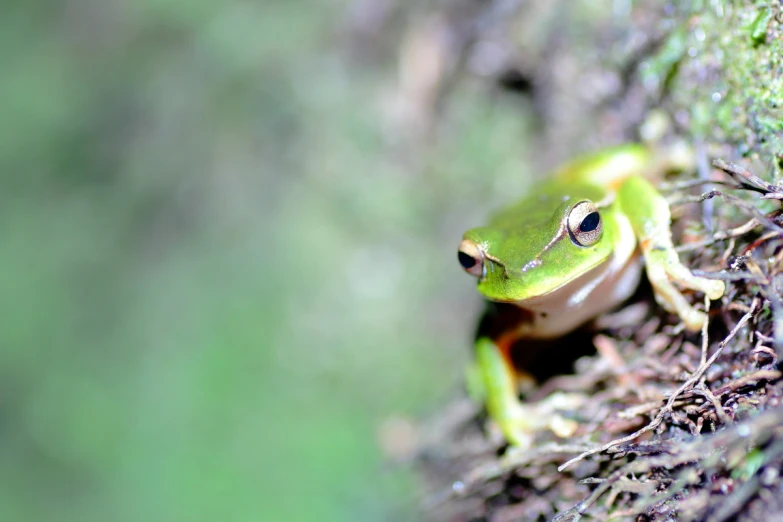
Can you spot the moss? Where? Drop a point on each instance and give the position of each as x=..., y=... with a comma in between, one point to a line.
x=741, y=57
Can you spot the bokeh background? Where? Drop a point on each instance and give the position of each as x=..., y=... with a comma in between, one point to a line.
x=227, y=263
x=228, y=281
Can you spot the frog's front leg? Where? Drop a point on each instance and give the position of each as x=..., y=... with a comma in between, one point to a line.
x=501, y=383
x=501, y=393
x=649, y=215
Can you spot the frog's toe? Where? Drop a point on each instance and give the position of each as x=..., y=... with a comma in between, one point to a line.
x=672, y=300
x=710, y=287
x=678, y=273
x=520, y=424
x=518, y=437
x=693, y=319
x=714, y=289
x=519, y=428
x=664, y=272
x=562, y=427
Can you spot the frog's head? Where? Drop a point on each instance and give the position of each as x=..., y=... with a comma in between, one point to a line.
x=530, y=251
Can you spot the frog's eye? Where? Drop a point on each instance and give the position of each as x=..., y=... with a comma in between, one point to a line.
x=471, y=258
x=584, y=224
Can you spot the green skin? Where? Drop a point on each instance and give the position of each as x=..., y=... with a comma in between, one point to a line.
x=529, y=255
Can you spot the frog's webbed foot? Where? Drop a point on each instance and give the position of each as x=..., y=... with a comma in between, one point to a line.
x=520, y=423
x=664, y=270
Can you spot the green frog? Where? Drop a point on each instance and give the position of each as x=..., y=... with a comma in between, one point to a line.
x=569, y=251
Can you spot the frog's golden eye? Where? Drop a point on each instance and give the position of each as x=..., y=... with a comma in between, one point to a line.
x=471, y=258
x=584, y=224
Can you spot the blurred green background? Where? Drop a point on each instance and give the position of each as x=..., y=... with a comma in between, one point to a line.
x=224, y=267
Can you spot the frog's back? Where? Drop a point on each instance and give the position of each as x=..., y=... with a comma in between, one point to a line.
x=546, y=204
x=591, y=177
x=607, y=168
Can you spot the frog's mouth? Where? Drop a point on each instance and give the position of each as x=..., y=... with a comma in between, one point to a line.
x=588, y=279
x=574, y=289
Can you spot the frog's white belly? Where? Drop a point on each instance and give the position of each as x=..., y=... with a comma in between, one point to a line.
x=587, y=296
